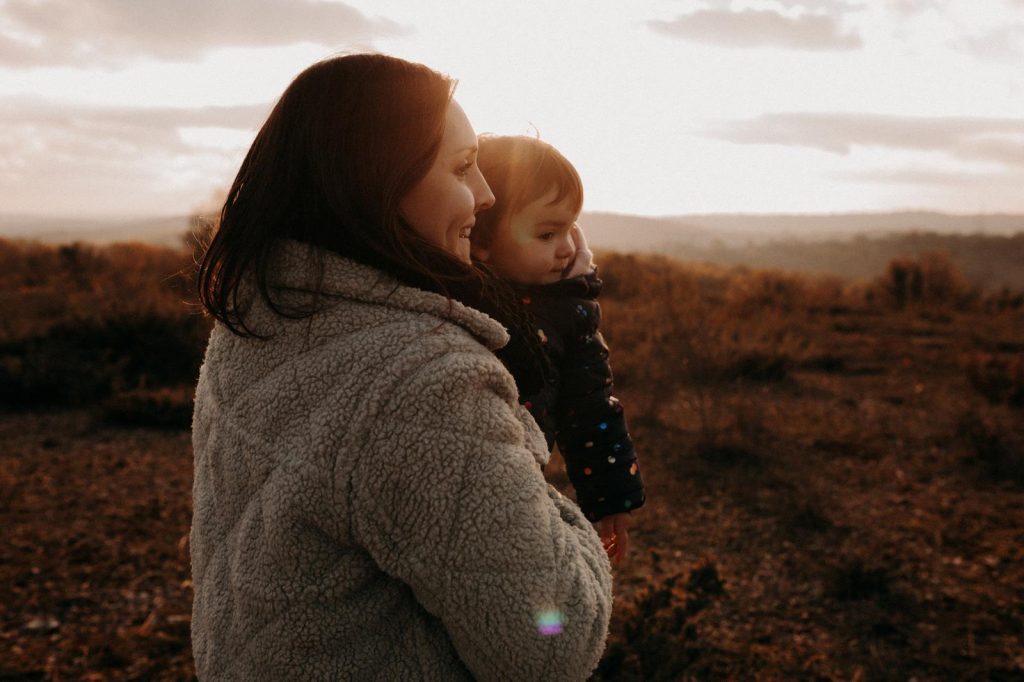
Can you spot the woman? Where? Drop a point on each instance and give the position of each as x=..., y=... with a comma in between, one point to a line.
x=367, y=498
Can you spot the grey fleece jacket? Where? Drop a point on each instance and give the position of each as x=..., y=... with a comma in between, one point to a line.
x=367, y=501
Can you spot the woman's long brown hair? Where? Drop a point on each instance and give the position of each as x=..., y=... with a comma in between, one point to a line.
x=350, y=136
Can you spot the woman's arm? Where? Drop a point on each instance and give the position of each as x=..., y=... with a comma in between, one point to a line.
x=448, y=498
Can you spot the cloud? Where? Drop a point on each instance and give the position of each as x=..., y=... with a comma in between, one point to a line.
x=112, y=32
x=760, y=28
x=837, y=7
x=69, y=158
x=21, y=109
x=948, y=180
x=1005, y=43
x=908, y=8
x=996, y=140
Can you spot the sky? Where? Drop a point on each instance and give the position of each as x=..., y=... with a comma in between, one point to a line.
x=666, y=107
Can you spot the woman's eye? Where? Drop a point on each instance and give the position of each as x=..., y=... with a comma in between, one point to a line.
x=463, y=170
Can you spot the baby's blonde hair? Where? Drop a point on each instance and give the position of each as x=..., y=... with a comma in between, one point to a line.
x=521, y=169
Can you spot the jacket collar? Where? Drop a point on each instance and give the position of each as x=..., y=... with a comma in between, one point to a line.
x=295, y=266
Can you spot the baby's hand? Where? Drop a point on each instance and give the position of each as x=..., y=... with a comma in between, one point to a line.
x=615, y=536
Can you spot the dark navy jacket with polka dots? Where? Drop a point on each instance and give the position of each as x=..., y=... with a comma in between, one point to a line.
x=573, y=402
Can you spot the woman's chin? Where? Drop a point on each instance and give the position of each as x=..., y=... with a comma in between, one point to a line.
x=461, y=250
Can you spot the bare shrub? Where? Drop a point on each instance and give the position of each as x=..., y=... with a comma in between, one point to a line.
x=932, y=279
x=661, y=638
x=165, y=408
x=1000, y=378
x=856, y=579
x=1004, y=299
x=993, y=444
x=829, y=294
x=88, y=322
x=82, y=361
x=770, y=289
x=199, y=235
x=12, y=486
x=704, y=332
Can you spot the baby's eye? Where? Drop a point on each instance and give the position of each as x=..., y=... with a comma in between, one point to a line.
x=547, y=236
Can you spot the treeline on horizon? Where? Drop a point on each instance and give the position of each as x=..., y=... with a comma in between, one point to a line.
x=987, y=261
x=86, y=323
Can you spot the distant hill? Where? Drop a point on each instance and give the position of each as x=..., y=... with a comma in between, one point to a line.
x=988, y=261
x=637, y=233
x=605, y=230
x=988, y=247
x=161, y=230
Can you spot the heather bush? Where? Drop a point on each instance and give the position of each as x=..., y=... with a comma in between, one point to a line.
x=1000, y=378
x=78, y=362
x=932, y=279
x=993, y=444
x=757, y=291
x=662, y=636
x=1002, y=300
x=700, y=334
x=164, y=408
x=91, y=321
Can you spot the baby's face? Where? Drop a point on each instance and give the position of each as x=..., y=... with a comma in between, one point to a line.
x=534, y=246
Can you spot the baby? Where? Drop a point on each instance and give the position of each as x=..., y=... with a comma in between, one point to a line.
x=531, y=239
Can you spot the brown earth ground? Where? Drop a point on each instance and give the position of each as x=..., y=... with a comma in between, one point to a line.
x=859, y=518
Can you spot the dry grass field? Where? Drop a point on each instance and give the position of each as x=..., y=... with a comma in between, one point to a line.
x=835, y=469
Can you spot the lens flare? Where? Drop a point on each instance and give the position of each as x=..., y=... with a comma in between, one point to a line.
x=549, y=622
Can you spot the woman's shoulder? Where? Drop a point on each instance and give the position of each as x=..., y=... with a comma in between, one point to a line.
x=301, y=268
x=366, y=328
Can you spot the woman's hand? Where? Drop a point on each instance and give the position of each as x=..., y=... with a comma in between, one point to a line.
x=615, y=536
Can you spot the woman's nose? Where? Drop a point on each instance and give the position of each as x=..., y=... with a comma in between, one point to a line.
x=482, y=193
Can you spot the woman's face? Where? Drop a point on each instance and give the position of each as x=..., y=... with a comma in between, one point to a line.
x=442, y=207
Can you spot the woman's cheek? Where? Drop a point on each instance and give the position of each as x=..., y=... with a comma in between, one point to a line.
x=468, y=200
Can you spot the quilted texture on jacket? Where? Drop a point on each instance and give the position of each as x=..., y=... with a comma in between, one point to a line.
x=367, y=502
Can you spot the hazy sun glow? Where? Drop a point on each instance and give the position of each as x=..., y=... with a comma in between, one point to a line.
x=665, y=106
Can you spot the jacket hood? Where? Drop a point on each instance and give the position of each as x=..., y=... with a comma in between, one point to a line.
x=296, y=266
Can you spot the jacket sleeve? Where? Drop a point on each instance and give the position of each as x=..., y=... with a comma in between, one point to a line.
x=592, y=434
x=449, y=499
